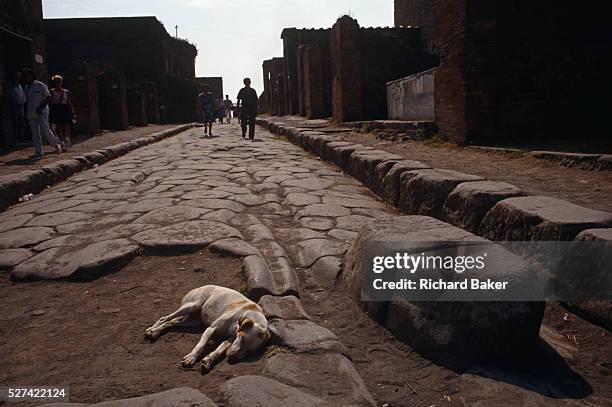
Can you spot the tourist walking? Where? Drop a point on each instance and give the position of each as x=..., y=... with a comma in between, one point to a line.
x=206, y=108
x=247, y=102
x=18, y=100
x=228, y=109
x=37, y=112
x=61, y=114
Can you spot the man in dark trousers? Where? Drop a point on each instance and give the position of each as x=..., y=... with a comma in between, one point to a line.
x=247, y=102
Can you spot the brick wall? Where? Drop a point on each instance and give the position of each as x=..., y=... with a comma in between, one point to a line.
x=417, y=13
x=314, y=103
x=346, y=70
x=81, y=79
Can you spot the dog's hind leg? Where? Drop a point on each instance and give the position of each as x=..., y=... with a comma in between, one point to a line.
x=210, y=359
x=153, y=332
x=190, y=359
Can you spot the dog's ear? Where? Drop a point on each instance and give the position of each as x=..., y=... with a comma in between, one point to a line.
x=245, y=324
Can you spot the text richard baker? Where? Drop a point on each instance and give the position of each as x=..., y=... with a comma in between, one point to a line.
x=431, y=284
x=451, y=266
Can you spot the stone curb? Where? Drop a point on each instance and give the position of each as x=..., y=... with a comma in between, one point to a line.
x=15, y=186
x=414, y=189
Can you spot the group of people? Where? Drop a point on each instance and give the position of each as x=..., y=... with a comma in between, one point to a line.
x=36, y=108
x=246, y=106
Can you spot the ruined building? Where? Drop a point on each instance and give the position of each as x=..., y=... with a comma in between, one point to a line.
x=22, y=44
x=143, y=75
x=342, y=71
x=513, y=70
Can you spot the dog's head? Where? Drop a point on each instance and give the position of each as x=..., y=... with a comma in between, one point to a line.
x=250, y=336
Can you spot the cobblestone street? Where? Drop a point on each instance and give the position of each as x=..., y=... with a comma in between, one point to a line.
x=287, y=215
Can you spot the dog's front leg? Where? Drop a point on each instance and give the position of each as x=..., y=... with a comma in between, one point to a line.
x=213, y=356
x=190, y=359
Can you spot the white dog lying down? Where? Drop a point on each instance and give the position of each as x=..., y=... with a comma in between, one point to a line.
x=227, y=314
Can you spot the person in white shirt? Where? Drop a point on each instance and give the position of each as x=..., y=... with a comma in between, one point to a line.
x=37, y=112
x=18, y=100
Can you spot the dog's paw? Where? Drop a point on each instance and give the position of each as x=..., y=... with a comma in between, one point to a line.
x=206, y=365
x=188, y=360
x=151, y=334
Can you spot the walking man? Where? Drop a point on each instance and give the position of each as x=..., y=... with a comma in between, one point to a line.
x=247, y=102
x=18, y=99
x=37, y=113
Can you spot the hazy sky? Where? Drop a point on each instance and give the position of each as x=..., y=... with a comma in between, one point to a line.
x=233, y=37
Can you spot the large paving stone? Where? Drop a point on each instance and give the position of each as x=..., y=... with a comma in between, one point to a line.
x=324, y=271
x=297, y=234
x=454, y=334
x=468, y=203
x=305, y=336
x=277, y=278
x=62, y=263
x=310, y=183
x=186, y=236
x=234, y=247
x=56, y=219
x=330, y=376
x=354, y=202
x=144, y=205
x=288, y=307
x=423, y=192
x=301, y=199
x=251, y=391
x=171, y=215
x=14, y=221
x=12, y=257
x=317, y=223
x=179, y=397
x=390, y=185
x=25, y=237
x=307, y=252
x=540, y=218
x=323, y=210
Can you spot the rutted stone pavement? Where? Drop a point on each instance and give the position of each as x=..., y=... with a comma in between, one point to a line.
x=267, y=201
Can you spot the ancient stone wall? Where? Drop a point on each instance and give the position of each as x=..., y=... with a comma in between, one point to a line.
x=81, y=79
x=417, y=13
x=151, y=101
x=314, y=101
x=346, y=70
x=294, y=81
x=137, y=113
x=112, y=96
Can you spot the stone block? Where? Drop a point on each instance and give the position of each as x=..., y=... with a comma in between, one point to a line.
x=540, y=218
x=249, y=391
x=454, y=334
x=468, y=203
x=391, y=180
x=423, y=192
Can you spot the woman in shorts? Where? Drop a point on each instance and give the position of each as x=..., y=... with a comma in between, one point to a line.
x=206, y=106
x=61, y=113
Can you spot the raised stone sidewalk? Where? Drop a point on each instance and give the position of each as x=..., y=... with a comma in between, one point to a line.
x=492, y=209
x=13, y=187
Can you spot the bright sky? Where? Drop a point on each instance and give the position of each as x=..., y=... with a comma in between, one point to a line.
x=233, y=37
